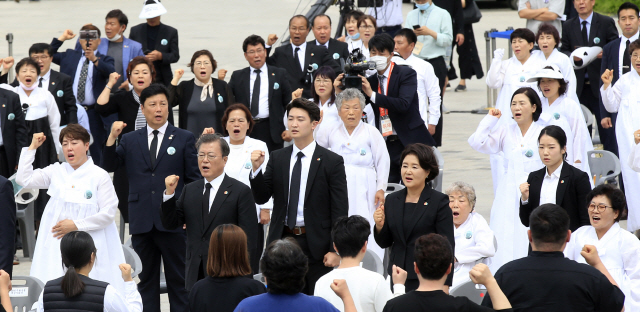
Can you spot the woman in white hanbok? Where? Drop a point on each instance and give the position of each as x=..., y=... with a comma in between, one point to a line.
x=508, y=76
x=548, y=40
x=634, y=157
x=618, y=249
x=82, y=199
x=519, y=142
x=624, y=98
x=366, y=159
x=473, y=236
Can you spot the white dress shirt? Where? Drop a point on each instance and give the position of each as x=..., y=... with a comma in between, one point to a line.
x=306, y=163
x=383, y=85
x=428, y=88
x=161, y=131
x=326, y=44
x=263, y=100
x=623, y=45
x=301, y=53
x=88, y=87
x=389, y=14
x=588, y=25
x=550, y=186
x=215, y=186
x=45, y=79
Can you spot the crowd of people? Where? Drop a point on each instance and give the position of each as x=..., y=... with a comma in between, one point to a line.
x=283, y=171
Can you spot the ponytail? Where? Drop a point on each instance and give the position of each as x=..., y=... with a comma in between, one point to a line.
x=76, y=249
x=72, y=285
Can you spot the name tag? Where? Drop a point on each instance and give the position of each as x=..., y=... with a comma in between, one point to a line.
x=18, y=292
x=385, y=124
x=418, y=48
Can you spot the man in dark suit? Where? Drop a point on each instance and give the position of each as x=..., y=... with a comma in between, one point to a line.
x=590, y=29
x=7, y=225
x=206, y=203
x=89, y=70
x=297, y=57
x=309, y=189
x=60, y=85
x=322, y=32
x=150, y=154
x=395, y=103
x=265, y=91
x=13, y=132
x=159, y=43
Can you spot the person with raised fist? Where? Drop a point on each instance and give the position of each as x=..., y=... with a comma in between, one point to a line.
x=13, y=130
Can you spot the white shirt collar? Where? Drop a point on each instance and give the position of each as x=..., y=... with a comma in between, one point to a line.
x=215, y=183
x=555, y=174
x=263, y=69
x=386, y=72
x=47, y=75
x=302, y=46
x=326, y=44
x=632, y=39
x=588, y=19
x=162, y=129
x=307, y=151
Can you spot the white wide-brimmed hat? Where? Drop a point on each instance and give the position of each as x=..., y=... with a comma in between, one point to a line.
x=587, y=54
x=547, y=73
x=151, y=9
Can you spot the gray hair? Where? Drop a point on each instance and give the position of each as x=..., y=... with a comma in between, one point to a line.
x=466, y=189
x=211, y=138
x=349, y=94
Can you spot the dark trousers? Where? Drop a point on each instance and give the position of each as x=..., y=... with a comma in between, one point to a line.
x=171, y=248
x=440, y=69
x=255, y=261
x=390, y=30
x=316, y=267
x=262, y=131
x=5, y=171
x=395, y=148
x=99, y=136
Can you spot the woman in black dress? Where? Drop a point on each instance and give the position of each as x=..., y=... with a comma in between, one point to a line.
x=202, y=100
x=412, y=212
x=468, y=59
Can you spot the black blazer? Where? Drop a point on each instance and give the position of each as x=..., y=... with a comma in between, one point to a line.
x=278, y=98
x=233, y=204
x=222, y=294
x=602, y=27
x=433, y=215
x=7, y=225
x=335, y=46
x=170, y=51
x=325, y=196
x=180, y=95
x=402, y=102
x=610, y=60
x=283, y=58
x=14, y=129
x=123, y=103
x=457, y=16
x=573, y=187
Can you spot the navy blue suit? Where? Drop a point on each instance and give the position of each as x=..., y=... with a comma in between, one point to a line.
x=7, y=225
x=611, y=60
x=150, y=239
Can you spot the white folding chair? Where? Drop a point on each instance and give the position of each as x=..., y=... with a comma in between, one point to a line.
x=25, y=295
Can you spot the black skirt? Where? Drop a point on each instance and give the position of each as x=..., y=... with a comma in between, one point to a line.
x=46, y=155
x=468, y=59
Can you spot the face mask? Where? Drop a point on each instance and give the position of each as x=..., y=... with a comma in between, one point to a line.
x=115, y=38
x=24, y=87
x=424, y=6
x=356, y=36
x=381, y=62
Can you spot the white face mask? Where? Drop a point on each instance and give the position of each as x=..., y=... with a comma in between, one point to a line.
x=381, y=62
x=115, y=38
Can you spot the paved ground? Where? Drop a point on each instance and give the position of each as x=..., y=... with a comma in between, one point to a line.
x=221, y=26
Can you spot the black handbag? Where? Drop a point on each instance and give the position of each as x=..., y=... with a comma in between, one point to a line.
x=471, y=12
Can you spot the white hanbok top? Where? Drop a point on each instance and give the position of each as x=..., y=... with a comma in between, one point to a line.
x=474, y=244
x=566, y=68
x=114, y=301
x=87, y=197
x=634, y=158
x=619, y=251
x=624, y=98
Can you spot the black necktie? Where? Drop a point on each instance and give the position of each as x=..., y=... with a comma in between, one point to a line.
x=154, y=148
x=255, y=98
x=294, y=192
x=626, y=60
x=205, y=201
x=585, y=37
x=40, y=82
x=295, y=56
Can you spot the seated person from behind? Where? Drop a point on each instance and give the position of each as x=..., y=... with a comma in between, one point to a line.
x=369, y=289
x=433, y=264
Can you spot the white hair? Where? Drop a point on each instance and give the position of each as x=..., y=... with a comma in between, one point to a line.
x=349, y=94
x=466, y=189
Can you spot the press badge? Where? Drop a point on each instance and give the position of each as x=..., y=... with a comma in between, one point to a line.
x=385, y=123
x=418, y=48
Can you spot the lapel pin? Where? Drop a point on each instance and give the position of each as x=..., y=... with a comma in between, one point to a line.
x=226, y=192
x=171, y=137
x=561, y=181
x=318, y=159
x=126, y=47
x=425, y=203
x=3, y=105
x=311, y=54
x=273, y=74
x=53, y=83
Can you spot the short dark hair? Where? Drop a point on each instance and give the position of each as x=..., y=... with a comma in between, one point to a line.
x=321, y=15
x=234, y=107
x=324, y=72
x=122, y=18
x=433, y=255
x=523, y=33
x=356, y=14
x=74, y=131
x=558, y=134
x=312, y=108
x=153, y=89
x=364, y=17
x=200, y=53
x=563, y=84
x=549, y=224
x=25, y=62
x=76, y=248
x=407, y=34
x=141, y=60
x=91, y=27
x=228, y=254
x=252, y=40
x=628, y=5
x=349, y=235
x=615, y=196
x=548, y=29
x=300, y=16
x=382, y=42
x=426, y=158
x=634, y=46
x=212, y=138
x=533, y=98
x=284, y=266
x=40, y=48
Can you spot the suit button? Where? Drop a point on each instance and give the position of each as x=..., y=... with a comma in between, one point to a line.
x=153, y=174
x=153, y=192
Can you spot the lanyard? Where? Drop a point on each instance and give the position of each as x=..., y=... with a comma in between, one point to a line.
x=384, y=111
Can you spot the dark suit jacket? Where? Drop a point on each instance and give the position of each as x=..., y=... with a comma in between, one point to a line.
x=283, y=58
x=233, y=204
x=7, y=225
x=180, y=95
x=432, y=215
x=402, y=102
x=170, y=51
x=69, y=60
x=14, y=131
x=610, y=60
x=146, y=184
x=325, y=196
x=61, y=87
x=278, y=99
x=602, y=27
x=335, y=46
x=122, y=103
x=573, y=187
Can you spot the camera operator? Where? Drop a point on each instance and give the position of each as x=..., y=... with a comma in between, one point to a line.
x=393, y=96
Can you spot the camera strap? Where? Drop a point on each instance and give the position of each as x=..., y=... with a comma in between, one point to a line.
x=385, y=122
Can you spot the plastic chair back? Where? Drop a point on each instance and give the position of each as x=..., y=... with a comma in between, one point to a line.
x=588, y=116
x=604, y=166
x=393, y=187
x=436, y=184
x=132, y=259
x=469, y=290
x=23, y=296
x=372, y=262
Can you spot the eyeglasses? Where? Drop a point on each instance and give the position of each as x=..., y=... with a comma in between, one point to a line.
x=207, y=156
x=598, y=208
x=323, y=82
x=253, y=52
x=366, y=26
x=635, y=56
x=201, y=63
